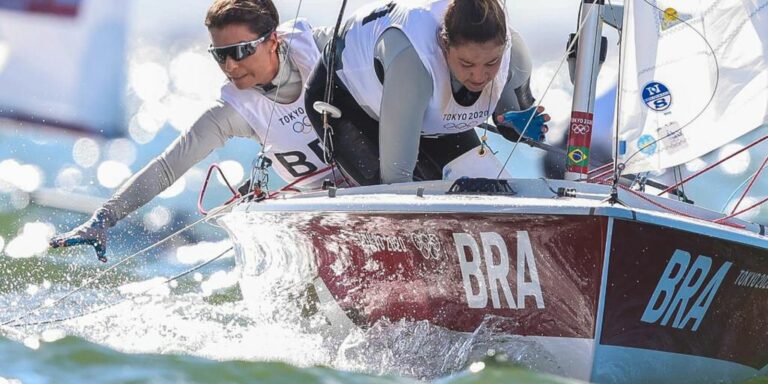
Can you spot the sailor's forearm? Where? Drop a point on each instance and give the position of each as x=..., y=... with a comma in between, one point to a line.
x=137, y=191
x=211, y=131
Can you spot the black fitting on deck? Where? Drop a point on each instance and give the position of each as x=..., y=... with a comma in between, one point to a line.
x=480, y=186
x=566, y=192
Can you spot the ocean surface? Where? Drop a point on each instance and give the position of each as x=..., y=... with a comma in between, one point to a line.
x=68, y=319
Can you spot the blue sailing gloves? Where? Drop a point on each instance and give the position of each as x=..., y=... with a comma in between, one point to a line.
x=518, y=119
x=93, y=232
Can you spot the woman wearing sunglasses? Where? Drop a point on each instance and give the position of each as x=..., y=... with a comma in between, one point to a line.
x=412, y=82
x=266, y=65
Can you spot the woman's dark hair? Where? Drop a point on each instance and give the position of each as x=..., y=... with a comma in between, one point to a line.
x=476, y=21
x=259, y=15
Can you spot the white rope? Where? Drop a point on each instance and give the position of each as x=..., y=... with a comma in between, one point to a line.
x=264, y=142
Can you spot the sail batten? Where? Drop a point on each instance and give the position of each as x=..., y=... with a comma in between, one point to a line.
x=695, y=76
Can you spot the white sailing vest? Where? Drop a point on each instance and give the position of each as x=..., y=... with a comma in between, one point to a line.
x=293, y=146
x=420, y=23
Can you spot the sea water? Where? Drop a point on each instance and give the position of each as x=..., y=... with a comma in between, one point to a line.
x=138, y=328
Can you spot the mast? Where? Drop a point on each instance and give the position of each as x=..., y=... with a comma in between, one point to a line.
x=589, y=52
x=617, y=148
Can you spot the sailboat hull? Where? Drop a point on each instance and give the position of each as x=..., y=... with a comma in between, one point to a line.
x=611, y=295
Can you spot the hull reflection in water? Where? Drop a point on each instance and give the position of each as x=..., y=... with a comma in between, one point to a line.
x=568, y=285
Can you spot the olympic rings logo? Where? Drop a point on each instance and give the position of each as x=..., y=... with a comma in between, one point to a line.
x=580, y=129
x=462, y=126
x=304, y=126
x=428, y=244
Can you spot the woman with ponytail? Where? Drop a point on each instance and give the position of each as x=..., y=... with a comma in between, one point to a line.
x=412, y=82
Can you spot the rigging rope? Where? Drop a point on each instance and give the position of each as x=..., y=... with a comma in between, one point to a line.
x=215, y=212
x=754, y=178
x=708, y=168
x=264, y=144
x=91, y=312
x=751, y=207
x=617, y=168
x=328, y=150
x=677, y=212
x=551, y=81
x=484, y=137
x=328, y=96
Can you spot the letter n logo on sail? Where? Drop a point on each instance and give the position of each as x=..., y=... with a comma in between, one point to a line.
x=681, y=294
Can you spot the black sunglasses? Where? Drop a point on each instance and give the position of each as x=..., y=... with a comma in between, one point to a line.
x=237, y=51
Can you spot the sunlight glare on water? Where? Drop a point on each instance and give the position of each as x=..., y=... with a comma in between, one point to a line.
x=737, y=164
x=157, y=218
x=69, y=179
x=122, y=150
x=86, y=152
x=32, y=241
x=32, y=342
x=29, y=178
x=25, y=177
x=152, y=115
x=233, y=171
x=219, y=280
x=153, y=286
x=52, y=335
x=138, y=133
x=194, y=73
x=476, y=367
x=175, y=189
x=183, y=111
x=695, y=165
x=200, y=252
x=149, y=80
x=32, y=289
x=112, y=173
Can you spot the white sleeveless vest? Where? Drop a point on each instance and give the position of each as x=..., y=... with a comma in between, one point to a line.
x=421, y=24
x=293, y=146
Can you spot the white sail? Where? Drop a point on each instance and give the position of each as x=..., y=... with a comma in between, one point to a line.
x=63, y=63
x=694, y=77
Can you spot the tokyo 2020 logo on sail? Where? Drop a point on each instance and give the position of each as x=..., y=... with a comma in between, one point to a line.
x=657, y=96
